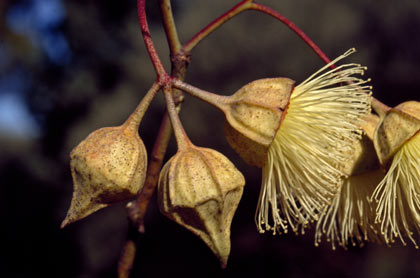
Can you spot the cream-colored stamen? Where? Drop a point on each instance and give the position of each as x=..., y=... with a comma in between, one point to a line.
x=398, y=195
x=319, y=130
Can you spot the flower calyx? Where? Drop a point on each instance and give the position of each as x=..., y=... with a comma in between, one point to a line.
x=253, y=117
x=364, y=158
x=398, y=126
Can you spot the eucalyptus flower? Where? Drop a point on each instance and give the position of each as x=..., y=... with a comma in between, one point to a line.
x=304, y=162
x=397, y=143
x=350, y=219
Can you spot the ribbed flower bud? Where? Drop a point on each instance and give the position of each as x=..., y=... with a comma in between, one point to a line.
x=253, y=117
x=200, y=189
x=107, y=167
x=397, y=143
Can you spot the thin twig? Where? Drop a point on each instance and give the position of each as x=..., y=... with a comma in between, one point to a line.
x=125, y=264
x=137, y=210
x=216, y=100
x=169, y=26
x=249, y=5
x=144, y=27
x=376, y=104
x=181, y=137
x=215, y=24
x=293, y=27
x=135, y=118
x=380, y=108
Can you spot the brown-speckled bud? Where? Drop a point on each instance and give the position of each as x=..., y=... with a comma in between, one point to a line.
x=253, y=116
x=399, y=125
x=200, y=189
x=107, y=167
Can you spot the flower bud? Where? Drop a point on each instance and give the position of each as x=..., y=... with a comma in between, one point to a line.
x=107, y=167
x=200, y=189
x=399, y=125
x=254, y=115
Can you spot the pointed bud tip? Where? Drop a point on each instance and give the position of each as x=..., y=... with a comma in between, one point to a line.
x=66, y=222
x=63, y=224
x=223, y=262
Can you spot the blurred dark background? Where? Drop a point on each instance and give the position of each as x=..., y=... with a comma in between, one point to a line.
x=70, y=67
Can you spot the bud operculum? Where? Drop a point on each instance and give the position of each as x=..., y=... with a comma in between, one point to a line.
x=200, y=189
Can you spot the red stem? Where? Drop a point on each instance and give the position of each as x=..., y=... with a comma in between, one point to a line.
x=249, y=5
x=144, y=27
x=238, y=8
x=293, y=27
